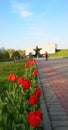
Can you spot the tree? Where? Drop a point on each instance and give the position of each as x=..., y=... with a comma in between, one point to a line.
x=10, y=51
x=4, y=54
x=16, y=55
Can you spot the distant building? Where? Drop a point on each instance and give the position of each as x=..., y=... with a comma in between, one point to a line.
x=50, y=48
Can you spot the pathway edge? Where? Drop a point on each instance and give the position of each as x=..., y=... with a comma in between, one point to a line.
x=46, y=121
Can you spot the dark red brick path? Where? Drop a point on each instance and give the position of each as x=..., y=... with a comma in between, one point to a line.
x=56, y=72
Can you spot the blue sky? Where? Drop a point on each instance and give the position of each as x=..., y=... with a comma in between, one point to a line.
x=24, y=23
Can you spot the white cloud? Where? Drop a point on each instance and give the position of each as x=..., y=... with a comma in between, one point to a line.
x=25, y=13
x=21, y=8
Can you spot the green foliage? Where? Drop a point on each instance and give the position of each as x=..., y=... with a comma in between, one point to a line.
x=5, y=70
x=16, y=54
x=60, y=54
x=22, y=52
x=4, y=54
x=14, y=105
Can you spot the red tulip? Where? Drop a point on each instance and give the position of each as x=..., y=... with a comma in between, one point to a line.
x=33, y=119
x=26, y=84
x=33, y=99
x=26, y=65
x=31, y=62
x=34, y=73
x=20, y=80
x=12, y=77
x=38, y=91
x=38, y=113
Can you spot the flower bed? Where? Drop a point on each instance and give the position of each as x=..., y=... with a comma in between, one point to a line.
x=20, y=108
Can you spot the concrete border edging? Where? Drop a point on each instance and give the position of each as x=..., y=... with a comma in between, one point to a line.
x=46, y=121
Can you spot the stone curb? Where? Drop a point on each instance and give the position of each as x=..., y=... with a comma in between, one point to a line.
x=45, y=121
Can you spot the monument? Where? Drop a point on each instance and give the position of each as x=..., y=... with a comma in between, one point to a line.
x=37, y=52
x=50, y=48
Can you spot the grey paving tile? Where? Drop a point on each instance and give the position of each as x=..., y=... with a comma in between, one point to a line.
x=63, y=123
x=55, y=113
x=59, y=117
x=61, y=128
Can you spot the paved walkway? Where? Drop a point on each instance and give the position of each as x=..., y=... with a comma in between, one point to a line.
x=53, y=79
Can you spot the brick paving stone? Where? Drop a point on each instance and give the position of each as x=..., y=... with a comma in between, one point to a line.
x=59, y=117
x=56, y=109
x=56, y=113
x=54, y=83
x=60, y=123
x=61, y=128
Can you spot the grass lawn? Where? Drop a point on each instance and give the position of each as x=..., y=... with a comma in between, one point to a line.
x=60, y=54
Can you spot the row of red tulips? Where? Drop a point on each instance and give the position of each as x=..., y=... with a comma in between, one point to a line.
x=21, y=101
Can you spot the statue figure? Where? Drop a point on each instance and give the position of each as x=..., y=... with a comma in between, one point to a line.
x=37, y=52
